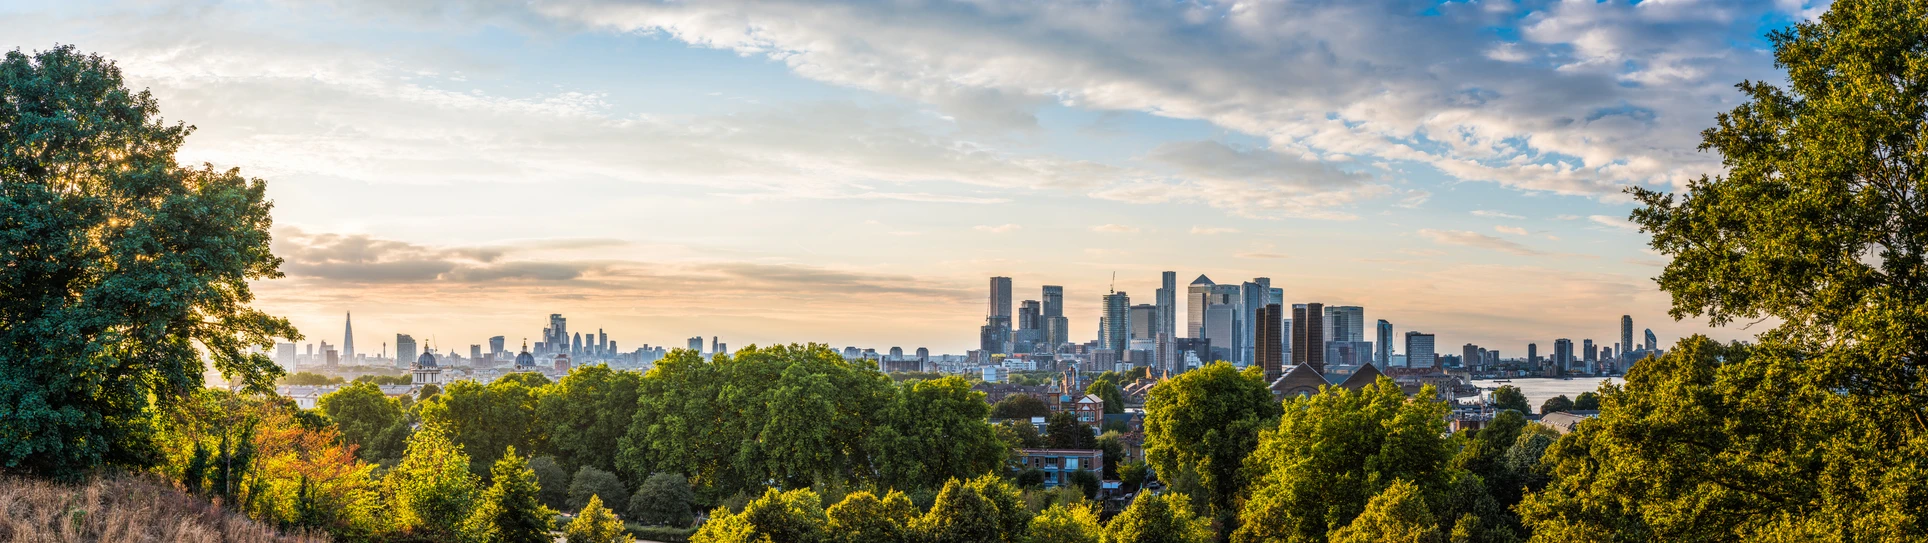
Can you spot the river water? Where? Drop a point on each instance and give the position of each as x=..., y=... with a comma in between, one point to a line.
x=1539, y=390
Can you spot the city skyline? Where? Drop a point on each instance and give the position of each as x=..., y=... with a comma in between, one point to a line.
x=681, y=168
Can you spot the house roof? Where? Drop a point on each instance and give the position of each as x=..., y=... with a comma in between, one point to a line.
x=1363, y=377
x=1298, y=379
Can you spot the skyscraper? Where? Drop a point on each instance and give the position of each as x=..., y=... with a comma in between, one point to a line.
x=404, y=350
x=348, y=337
x=1563, y=354
x=575, y=346
x=1000, y=297
x=1345, y=323
x=1221, y=324
x=1308, y=335
x=1383, y=355
x=1116, y=322
x=1652, y=345
x=1198, y=297
x=1167, y=303
x=557, y=340
x=1626, y=335
x=1029, y=314
x=1057, y=329
x=1588, y=353
x=1144, y=322
x=1268, y=349
x=1252, y=297
x=1533, y=355
x=495, y=346
x=696, y=344
x=1419, y=351
x=602, y=342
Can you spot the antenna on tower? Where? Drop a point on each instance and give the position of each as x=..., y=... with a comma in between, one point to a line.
x=1114, y=282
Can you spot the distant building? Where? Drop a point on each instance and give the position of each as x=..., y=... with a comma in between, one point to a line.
x=1144, y=321
x=1653, y=345
x=495, y=346
x=1308, y=336
x=1059, y=464
x=1419, y=351
x=427, y=372
x=1384, y=355
x=1626, y=335
x=405, y=349
x=1198, y=298
x=1167, y=305
x=696, y=344
x=348, y=337
x=1116, y=321
x=1268, y=349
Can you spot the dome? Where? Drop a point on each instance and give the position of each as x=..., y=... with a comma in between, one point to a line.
x=427, y=360
x=525, y=359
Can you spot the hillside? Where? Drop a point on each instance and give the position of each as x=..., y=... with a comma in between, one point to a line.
x=121, y=508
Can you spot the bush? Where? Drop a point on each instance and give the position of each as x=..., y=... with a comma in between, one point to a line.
x=664, y=534
x=553, y=480
x=594, y=482
x=663, y=500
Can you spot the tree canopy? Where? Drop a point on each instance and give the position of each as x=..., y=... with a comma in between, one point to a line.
x=1206, y=422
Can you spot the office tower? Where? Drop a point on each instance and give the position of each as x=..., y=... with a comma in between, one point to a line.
x=575, y=345
x=284, y=355
x=1348, y=353
x=1115, y=322
x=1383, y=356
x=1626, y=334
x=495, y=346
x=1652, y=345
x=1053, y=301
x=722, y=348
x=1533, y=355
x=1588, y=353
x=1345, y=323
x=1030, y=315
x=1268, y=349
x=1144, y=322
x=475, y=353
x=602, y=343
x=404, y=350
x=1563, y=354
x=1198, y=297
x=923, y=354
x=1308, y=335
x=1221, y=324
x=612, y=349
x=1167, y=303
x=1000, y=297
x=1471, y=355
x=556, y=336
x=995, y=336
x=1057, y=329
x=1252, y=297
x=1419, y=351
x=696, y=344
x=348, y=337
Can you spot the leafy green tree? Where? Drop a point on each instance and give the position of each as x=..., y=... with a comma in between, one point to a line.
x=1008, y=501
x=1113, y=445
x=1019, y=434
x=371, y=421
x=934, y=431
x=121, y=272
x=553, y=480
x=1510, y=397
x=960, y=515
x=1332, y=452
x=663, y=499
x=431, y=491
x=1556, y=404
x=1133, y=475
x=1020, y=406
x=1160, y=518
x=596, y=524
x=510, y=511
x=1397, y=514
x=795, y=516
x=487, y=419
x=586, y=414
x=1106, y=388
x=1065, y=523
x=302, y=378
x=863, y=518
x=1205, y=422
x=590, y=481
x=1086, y=482
x=1064, y=431
x=1587, y=401
x=385, y=379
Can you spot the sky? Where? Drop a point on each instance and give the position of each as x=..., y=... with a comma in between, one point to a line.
x=851, y=173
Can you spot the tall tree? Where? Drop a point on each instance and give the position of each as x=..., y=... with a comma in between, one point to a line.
x=596, y=524
x=1205, y=422
x=119, y=269
x=488, y=419
x=1020, y=406
x=591, y=482
x=663, y=500
x=1065, y=523
x=864, y=518
x=1397, y=514
x=960, y=515
x=1106, y=388
x=510, y=511
x=431, y=491
x=1065, y=431
x=1510, y=397
x=1159, y=518
x=585, y=415
x=935, y=431
x=368, y=419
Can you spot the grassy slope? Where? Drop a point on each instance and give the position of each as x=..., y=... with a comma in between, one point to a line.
x=121, y=508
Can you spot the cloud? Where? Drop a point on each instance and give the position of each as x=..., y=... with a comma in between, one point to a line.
x=1414, y=199
x=1213, y=230
x=1475, y=239
x=1495, y=214
x=1514, y=230
x=1115, y=229
x=1614, y=222
x=999, y=229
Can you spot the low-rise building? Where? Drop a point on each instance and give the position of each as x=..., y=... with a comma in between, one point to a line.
x=1059, y=464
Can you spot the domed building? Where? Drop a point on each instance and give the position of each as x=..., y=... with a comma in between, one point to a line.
x=427, y=372
x=525, y=361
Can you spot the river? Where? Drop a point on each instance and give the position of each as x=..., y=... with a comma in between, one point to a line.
x=1538, y=390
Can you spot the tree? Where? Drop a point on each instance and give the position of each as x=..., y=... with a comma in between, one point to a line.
x=1205, y=422
x=1397, y=515
x=120, y=270
x=1133, y=475
x=1106, y=388
x=553, y=480
x=590, y=481
x=1113, y=445
x=487, y=419
x=585, y=415
x=1065, y=523
x=1332, y=452
x=431, y=491
x=1587, y=401
x=1510, y=397
x=795, y=516
x=1064, y=431
x=510, y=511
x=1556, y=404
x=1020, y=406
x=1086, y=482
x=1159, y=518
x=302, y=378
x=1019, y=434
x=935, y=431
x=960, y=515
x=664, y=500
x=595, y=524
x=863, y=518
x=368, y=419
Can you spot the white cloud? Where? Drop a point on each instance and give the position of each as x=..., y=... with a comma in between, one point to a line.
x=1475, y=239
x=1115, y=229
x=999, y=229
x=1614, y=222
x=1514, y=230
x=1488, y=213
x=1213, y=230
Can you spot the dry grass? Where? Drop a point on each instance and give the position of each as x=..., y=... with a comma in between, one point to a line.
x=122, y=508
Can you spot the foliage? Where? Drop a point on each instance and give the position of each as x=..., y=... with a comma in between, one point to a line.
x=1556, y=404
x=863, y=518
x=302, y=378
x=1019, y=434
x=1086, y=482
x=586, y=413
x=371, y=421
x=595, y=524
x=589, y=482
x=431, y=491
x=935, y=431
x=961, y=515
x=1204, y=423
x=488, y=419
x=796, y=516
x=1107, y=389
x=1065, y=523
x=663, y=499
x=1133, y=475
x=1587, y=401
x=1332, y=452
x=553, y=480
x=1020, y=406
x=384, y=379
x=1397, y=514
x=510, y=511
x=119, y=269
x=1160, y=518
x=1113, y=446
x=1510, y=397
x=1029, y=478
x=1064, y=431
